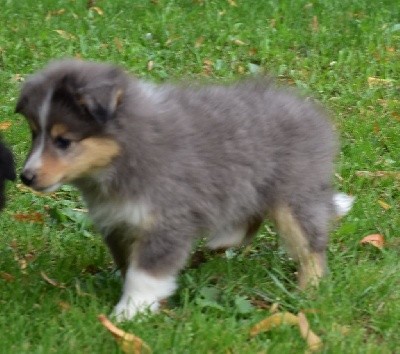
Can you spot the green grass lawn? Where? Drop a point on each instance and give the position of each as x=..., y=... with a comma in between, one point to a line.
x=345, y=53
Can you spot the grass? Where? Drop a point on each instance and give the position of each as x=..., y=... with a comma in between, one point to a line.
x=328, y=49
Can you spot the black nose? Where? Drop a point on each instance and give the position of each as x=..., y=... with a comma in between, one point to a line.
x=28, y=177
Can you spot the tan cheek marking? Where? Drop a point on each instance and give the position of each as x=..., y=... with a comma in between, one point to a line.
x=94, y=154
x=57, y=130
x=90, y=154
x=52, y=171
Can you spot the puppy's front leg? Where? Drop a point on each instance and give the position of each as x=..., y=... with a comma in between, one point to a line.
x=150, y=276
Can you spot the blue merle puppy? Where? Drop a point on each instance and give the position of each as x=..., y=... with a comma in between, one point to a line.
x=160, y=165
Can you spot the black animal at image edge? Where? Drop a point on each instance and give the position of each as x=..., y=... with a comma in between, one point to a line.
x=7, y=171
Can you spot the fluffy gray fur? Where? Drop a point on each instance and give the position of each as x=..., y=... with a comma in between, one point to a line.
x=208, y=160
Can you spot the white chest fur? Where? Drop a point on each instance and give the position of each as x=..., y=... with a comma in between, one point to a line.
x=111, y=213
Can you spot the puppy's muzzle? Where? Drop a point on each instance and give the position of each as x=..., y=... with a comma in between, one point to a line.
x=28, y=177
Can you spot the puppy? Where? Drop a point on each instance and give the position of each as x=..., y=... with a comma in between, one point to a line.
x=7, y=171
x=161, y=165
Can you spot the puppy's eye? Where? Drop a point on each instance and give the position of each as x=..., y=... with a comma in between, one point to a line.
x=62, y=143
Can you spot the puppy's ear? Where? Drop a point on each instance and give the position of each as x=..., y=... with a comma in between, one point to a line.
x=101, y=101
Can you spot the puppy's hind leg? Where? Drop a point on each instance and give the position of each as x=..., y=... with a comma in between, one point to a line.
x=150, y=277
x=305, y=241
x=120, y=245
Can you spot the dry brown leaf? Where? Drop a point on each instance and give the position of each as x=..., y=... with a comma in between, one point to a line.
x=396, y=116
x=260, y=304
x=150, y=65
x=315, y=24
x=239, y=42
x=22, y=188
x=118, y=44
x=129, y=343
x=51, y=281
x=199, y=42
x=207, y=67
x=5, y=125
x=275, y=320
x=384, y=205
x=7, y=276
x=64, y=306
x=34, y=217
x=97, y=9
x=343, y=330
x=52, y=13
x=65, y=34
x=373, y=174
x=376, y=82
x=274, y=307
x=240, y=69
x=313, y=341
x=376, y=240
x=22, y=263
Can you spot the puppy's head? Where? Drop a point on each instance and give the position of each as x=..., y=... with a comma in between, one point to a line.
x=70, y=107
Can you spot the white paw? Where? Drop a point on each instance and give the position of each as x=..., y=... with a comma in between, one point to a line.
x=343, y=203
x=142, y=292
x=128, y=307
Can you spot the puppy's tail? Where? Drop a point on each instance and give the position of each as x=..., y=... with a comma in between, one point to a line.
x=342, y=203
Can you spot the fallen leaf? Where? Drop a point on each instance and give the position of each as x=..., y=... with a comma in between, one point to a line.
x=396, y=116
x=199, y=42
x=7, y=276
x=97, y=9
x=275, y=320
x=90, y=3
x=260, y=304
x=52, y=13
x=5, y=125
x=22, y=263
x=313, y=311
x=274, y=307
x=34, y=217
x=22, y=188
x=51, y=281
x=65, y=306
x=253, y=51
x=377, y=128
x=343, y=330
x=118, y=44
x=239, y=42
x=376, y=240
x=313, y=341
x=376, y=82
x=129, y=343
x=373, y=174
x=17, y=78
x=315, y=24
x=150, y=65
x=80, y=292
x=65, y=34
x=207, y=67
x=384, y=205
